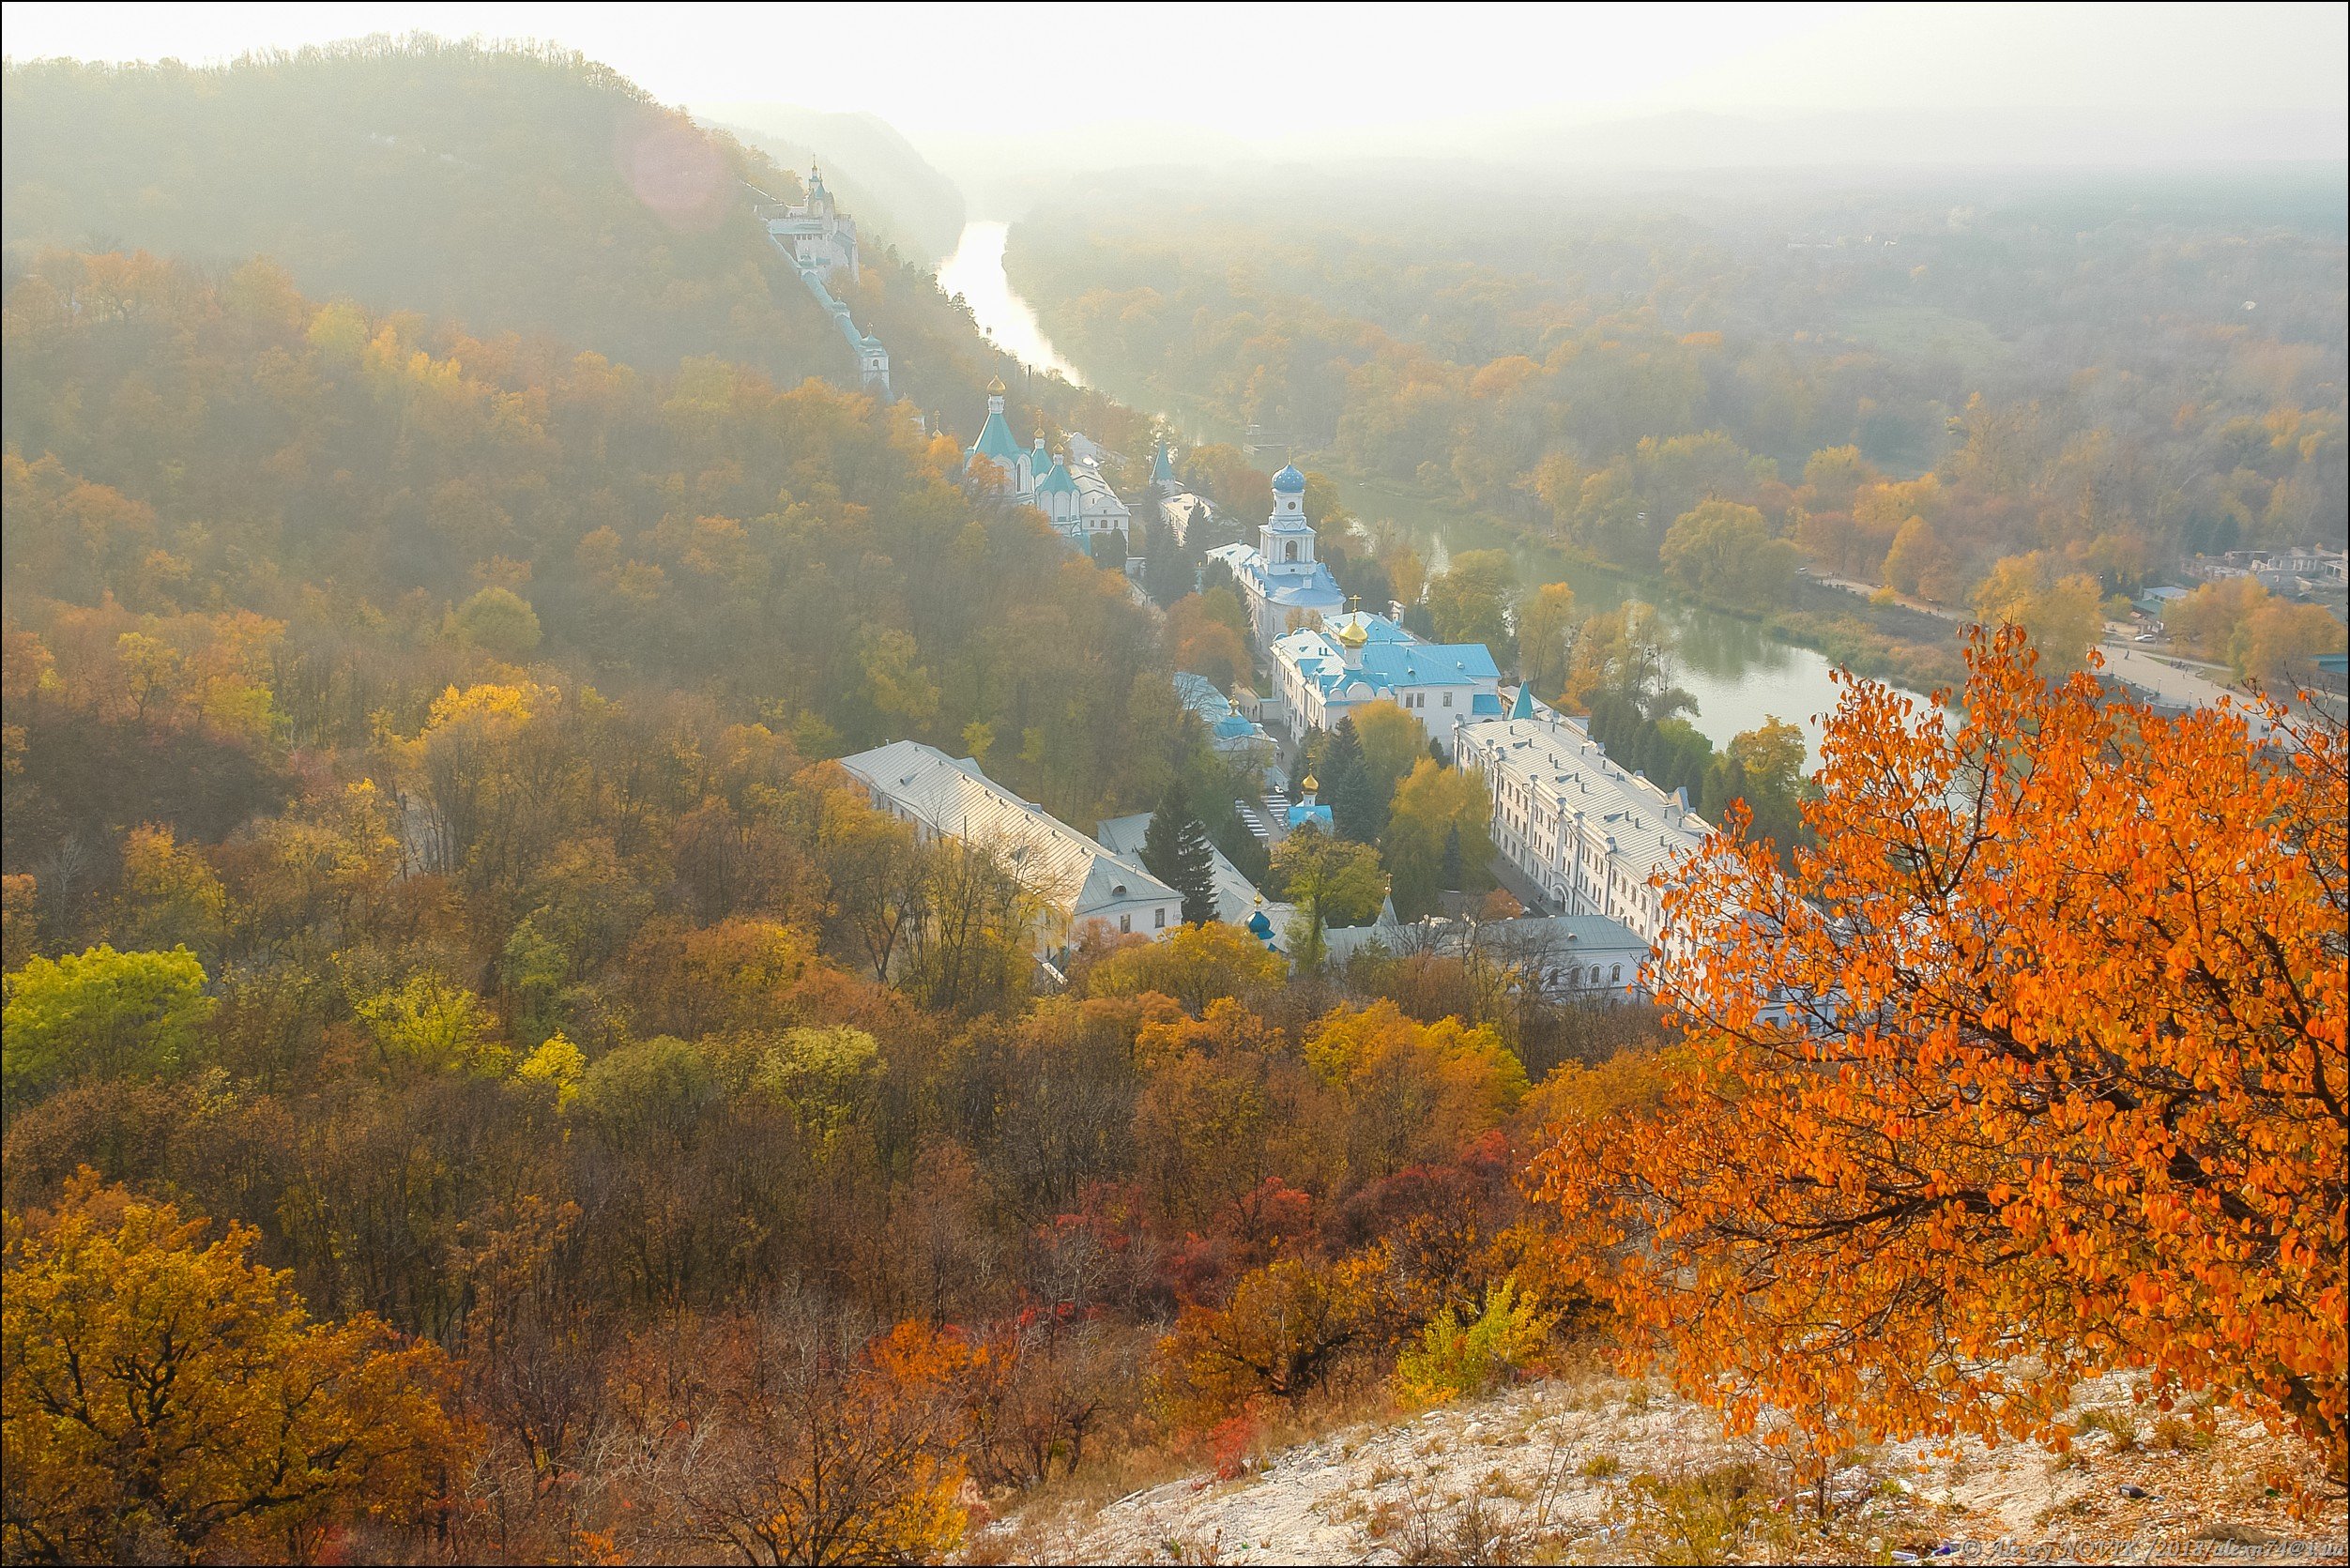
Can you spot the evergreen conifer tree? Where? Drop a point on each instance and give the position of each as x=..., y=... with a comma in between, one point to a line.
x=1176, y=850
x=1346, y=787
x=1166, y=571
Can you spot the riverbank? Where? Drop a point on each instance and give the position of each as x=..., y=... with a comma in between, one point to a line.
x=1722, y=649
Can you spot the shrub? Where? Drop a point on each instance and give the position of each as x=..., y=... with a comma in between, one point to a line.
x=1452, y=1362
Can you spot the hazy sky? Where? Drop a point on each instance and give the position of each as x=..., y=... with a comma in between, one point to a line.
x=1263, y=69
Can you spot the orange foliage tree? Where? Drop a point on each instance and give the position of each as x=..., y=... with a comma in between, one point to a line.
x=169, y=1400
x=2033, y=1070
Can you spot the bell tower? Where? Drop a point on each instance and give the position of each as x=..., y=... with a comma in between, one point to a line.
x=1287, y=540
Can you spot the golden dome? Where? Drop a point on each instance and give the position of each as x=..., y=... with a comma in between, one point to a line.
x=1353, y=634
x=995, y=387
x=1309, y=784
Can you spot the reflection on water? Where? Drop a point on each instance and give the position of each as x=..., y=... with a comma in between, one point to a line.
x=975, y=271
x=1740, y=675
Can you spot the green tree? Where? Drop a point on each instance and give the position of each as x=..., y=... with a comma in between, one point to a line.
x=499, y=621
x=1471, y=603
x=1345, y=786
x=1331, y=881
x=1176, y=850
x=101, y=1011
x=1393, y=741
x=1723, y=551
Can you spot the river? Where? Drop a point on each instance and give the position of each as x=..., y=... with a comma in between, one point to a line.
x=1739, y=674
x=975, y=271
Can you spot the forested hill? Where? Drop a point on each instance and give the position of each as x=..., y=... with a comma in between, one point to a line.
x=504, y=188
x=2027, y=400
x=281, y=500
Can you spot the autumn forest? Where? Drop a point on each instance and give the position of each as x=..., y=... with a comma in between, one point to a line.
x=484, y=1084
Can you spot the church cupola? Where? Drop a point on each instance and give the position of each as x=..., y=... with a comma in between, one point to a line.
x=1287, y=539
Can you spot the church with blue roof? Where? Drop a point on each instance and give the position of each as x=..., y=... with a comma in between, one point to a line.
x=1323, y=672
x=1284, y=586
x=1073, y=495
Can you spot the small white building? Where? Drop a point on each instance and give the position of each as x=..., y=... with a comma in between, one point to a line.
x=1231, y=731
x=1075, y=881
x=1323, y=672
x=1284, y=586
x=1587, y=833
x=816, y=234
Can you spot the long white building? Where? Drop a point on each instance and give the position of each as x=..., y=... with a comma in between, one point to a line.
x=1077, y=881
x=1581, y=828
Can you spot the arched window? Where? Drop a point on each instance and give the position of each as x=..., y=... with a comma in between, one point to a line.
x=1616, y=973
x=1289, y=551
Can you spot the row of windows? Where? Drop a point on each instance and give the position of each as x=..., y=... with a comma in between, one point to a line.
x=1158, y=921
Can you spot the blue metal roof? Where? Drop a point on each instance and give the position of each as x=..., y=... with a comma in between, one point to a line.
x=1428, y=663
x=1485, y=705
x=1056, y=481
x=995, y=441
x=1289, y=481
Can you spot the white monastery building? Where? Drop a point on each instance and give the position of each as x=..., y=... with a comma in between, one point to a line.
x=816, y=234
x=1072, y=495
x=820, y=239
x=1078, y=881
x=1285, y=586
x=1589, y=834
x=1323, y=672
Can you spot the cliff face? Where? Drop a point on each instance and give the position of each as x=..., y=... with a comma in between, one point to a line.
x=1599, y=1470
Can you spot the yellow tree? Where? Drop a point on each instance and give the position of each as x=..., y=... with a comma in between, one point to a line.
x=2060, y=614
x=2034, y=1069
x=1437, y=839
x=168, y=1399
x=1547, y=629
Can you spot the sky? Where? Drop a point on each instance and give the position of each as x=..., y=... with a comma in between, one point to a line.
x=1329, y=77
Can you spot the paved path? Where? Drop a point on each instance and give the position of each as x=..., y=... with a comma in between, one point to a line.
x=1871, y=591
x=2172, y=680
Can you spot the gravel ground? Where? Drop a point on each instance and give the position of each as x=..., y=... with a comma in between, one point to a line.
x=1542, y=1474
